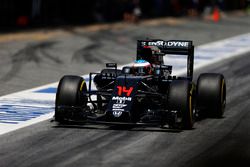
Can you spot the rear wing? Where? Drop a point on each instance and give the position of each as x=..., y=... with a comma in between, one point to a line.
x=178, y=47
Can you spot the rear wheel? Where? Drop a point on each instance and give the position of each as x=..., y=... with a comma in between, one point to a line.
x=180, y=99
x=69, y=93
x=211, y=94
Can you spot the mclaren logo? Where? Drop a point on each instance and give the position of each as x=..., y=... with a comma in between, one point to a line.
x=117, y=113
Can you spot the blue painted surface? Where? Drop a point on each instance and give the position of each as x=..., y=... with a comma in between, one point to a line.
x=46, y=90
x=20, y=110
x=14, y=114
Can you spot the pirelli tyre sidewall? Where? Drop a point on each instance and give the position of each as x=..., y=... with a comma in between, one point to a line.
x=180, y=98
x=70, y=93
x=211, y=94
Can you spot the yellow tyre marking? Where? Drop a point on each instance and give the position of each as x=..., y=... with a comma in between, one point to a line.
x=222, y=95
x=222, y=89
x=81, y=87
x=190, y=108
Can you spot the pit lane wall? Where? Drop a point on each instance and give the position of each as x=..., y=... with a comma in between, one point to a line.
x=31, y=106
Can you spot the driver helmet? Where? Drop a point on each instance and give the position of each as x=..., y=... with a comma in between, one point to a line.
x=141, y=67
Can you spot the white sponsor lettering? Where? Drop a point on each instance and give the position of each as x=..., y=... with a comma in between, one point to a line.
x=157, y=43
x=119, y=105
x=117, y=113
x=180, y=44
x=170, y=43
x=122, y=98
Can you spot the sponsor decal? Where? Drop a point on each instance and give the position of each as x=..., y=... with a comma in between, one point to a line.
x=117, y=113
x=121, y=98
x=157, y=43
x=118, y=106
x=178, y=44
x=143, y=44
x=123, y=89
x=168, y=43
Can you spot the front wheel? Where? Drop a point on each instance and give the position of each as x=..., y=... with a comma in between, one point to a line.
x=69, y=93
x=180, y=99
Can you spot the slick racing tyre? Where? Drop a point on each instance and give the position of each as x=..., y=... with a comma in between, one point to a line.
x=69, y=93
x=211, y=94
x=180, y=99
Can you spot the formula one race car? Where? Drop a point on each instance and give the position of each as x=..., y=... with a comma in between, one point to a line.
x=144, y=93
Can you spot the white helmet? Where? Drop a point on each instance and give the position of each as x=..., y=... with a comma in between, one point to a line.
x=141, y=67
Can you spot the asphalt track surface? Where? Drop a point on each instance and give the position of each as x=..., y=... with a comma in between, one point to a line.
x=212, y=142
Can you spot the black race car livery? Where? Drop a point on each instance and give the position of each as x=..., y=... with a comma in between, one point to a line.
x=145, y=93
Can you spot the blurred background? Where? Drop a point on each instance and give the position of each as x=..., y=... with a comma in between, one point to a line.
x=16, y=14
